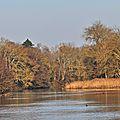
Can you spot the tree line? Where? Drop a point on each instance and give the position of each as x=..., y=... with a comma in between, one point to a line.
x=24, y=66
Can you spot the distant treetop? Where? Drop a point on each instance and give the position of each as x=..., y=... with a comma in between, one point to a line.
x=28, y=43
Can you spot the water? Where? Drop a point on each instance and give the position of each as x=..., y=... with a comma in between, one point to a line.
x=66, y=105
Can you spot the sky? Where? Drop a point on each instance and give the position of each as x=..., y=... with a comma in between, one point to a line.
x=51, y=22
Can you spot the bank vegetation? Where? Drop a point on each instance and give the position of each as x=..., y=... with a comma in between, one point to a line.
x=26, y=66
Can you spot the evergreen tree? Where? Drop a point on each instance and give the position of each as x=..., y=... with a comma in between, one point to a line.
x=28, y=43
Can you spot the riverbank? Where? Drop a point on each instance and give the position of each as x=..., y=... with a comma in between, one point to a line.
x=95, y=84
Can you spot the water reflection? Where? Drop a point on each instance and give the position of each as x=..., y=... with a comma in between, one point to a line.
x=72, y=105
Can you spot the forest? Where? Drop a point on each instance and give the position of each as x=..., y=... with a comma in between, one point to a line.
x=26, y=66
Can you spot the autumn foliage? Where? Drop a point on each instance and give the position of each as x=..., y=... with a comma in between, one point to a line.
x=24, y=66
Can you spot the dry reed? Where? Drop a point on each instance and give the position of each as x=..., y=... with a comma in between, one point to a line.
x=95, y=84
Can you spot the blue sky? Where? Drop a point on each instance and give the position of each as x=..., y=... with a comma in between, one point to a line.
x=51, y=22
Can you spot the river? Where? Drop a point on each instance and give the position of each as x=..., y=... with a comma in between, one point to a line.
x=61, y=105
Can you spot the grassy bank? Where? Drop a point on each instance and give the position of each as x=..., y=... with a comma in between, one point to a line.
x=95, y=84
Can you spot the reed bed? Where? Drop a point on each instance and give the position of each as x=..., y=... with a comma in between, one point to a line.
x=95, y=84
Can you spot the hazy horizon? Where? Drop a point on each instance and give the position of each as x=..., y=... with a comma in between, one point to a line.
x=51, y=22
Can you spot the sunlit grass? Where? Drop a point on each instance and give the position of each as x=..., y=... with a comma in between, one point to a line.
x=95, y=84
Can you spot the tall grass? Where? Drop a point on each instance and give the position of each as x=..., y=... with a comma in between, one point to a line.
x=95, y=84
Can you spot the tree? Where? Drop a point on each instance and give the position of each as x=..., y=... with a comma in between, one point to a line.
x=104, y=49
x=97, y=33
x=27, y=43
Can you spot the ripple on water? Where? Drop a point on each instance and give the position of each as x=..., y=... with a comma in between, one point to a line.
x=59, y=106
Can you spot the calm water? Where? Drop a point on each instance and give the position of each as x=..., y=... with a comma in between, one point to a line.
x=67, y=105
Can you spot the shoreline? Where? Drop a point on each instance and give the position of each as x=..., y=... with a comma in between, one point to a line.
x=95, y=85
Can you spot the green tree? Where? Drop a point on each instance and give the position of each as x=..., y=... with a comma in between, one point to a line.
x=27, y=43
